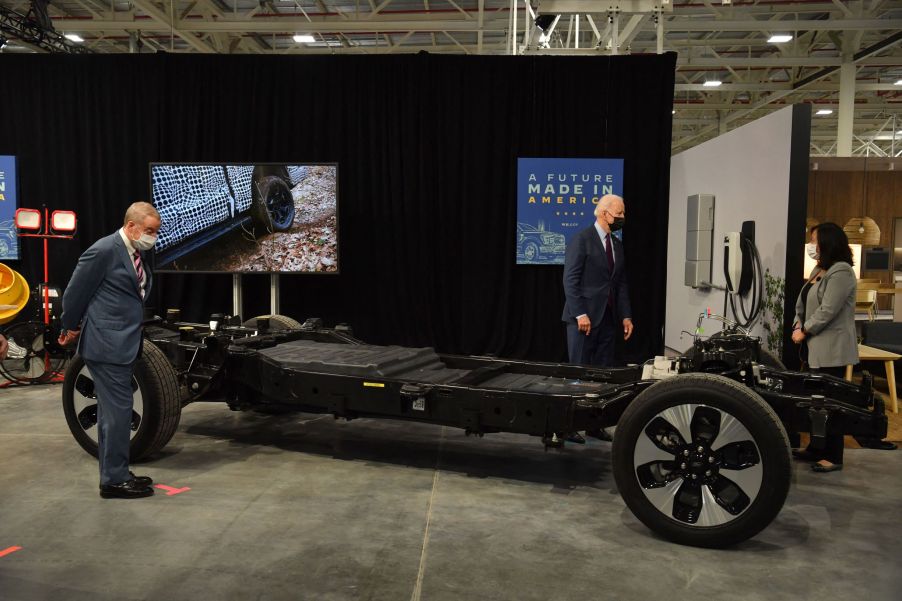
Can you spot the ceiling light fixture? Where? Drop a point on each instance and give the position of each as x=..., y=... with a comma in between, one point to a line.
x=712, y=83
x=74, y=37
x=304, y=38
x=779, y=38
x=824, y=112
x=898, y=83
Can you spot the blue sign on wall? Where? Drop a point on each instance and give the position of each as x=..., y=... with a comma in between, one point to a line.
x=556, y=199
x=9, y=243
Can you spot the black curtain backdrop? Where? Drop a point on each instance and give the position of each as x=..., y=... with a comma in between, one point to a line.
x=427, y=148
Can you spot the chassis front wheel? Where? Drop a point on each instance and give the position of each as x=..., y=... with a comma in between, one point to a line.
x=702, y=460
x=155, y=414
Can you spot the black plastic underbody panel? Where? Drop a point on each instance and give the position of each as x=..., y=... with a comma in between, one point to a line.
x=421, y=365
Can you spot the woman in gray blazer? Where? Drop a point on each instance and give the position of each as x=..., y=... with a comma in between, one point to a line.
x=825, y=323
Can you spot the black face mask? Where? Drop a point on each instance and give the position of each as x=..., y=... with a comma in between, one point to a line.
x=618, y=224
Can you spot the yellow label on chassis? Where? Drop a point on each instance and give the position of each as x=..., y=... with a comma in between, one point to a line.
x=374, y=384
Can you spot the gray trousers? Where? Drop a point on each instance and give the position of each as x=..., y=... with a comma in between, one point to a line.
x=113, y=385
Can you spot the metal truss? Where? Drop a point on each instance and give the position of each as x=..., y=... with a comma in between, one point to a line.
x=29, y=32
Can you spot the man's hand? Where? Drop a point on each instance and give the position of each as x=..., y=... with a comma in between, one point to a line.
x=4, y=346
x=798, y=336
x=584, y=323
x=69, y=337
x=627, y=328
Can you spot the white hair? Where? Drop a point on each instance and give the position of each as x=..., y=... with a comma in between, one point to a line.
x=606, y=202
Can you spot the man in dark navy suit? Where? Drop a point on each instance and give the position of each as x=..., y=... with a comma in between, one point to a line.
x=598, y=302
x=103, y=308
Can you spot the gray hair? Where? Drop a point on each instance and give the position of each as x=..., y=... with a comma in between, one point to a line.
x=606, y=202
x=139, y=211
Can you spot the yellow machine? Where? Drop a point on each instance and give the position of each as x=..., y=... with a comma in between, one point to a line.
x=14, y=293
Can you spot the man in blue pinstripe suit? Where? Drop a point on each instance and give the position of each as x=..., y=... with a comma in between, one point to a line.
x=103, y=308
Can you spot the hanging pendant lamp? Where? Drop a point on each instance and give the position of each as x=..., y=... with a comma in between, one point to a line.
x=863, y=230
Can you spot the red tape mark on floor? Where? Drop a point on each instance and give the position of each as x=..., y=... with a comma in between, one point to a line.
x=9, y=550
x=170, y=490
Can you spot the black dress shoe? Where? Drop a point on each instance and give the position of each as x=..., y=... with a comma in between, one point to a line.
x=129, y=489
x=576, y=437
x=142, y=480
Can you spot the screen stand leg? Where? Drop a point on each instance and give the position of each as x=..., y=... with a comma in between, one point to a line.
x=274, y=293
x=237, y=296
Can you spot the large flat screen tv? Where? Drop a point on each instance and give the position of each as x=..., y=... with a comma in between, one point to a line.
x=246, y=217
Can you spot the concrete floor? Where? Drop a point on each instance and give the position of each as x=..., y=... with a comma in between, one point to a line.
x=304, y=507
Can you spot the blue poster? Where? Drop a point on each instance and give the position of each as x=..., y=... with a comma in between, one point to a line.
x=556, y=198
x=9, y=243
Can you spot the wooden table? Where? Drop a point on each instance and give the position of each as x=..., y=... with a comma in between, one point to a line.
x=897, y=302
x=869, y=353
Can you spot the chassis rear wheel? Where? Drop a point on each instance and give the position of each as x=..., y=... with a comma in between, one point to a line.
x=157, y=404
x=702, y=460
x=276, y=322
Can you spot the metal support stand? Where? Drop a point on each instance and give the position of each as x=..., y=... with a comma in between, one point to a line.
x=274, y=293
x=659, y=31
x=237, y=295
x=846, y=120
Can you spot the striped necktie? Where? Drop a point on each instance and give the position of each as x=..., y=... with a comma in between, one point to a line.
x=609, y=252
x=139, y=269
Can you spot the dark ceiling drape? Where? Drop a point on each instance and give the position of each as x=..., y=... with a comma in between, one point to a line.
x=427, y=148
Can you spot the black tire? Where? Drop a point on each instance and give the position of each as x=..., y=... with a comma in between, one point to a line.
x=273, y=205
x=276, y=322
x=160, y=404
x=650, y=465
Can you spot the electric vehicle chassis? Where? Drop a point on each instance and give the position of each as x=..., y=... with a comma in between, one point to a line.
x=701, y=453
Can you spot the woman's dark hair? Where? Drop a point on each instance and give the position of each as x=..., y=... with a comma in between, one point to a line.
x=833, y=244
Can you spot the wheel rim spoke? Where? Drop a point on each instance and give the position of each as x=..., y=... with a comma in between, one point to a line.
x=680, y=417
x=731, y=430
x=714, y=513
x=651, y=446
x=663, y=497
x=748, y=480
x=84, y=403
x=705, y=424
x=738, y=455
x=687, y=503
x=728, y=495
